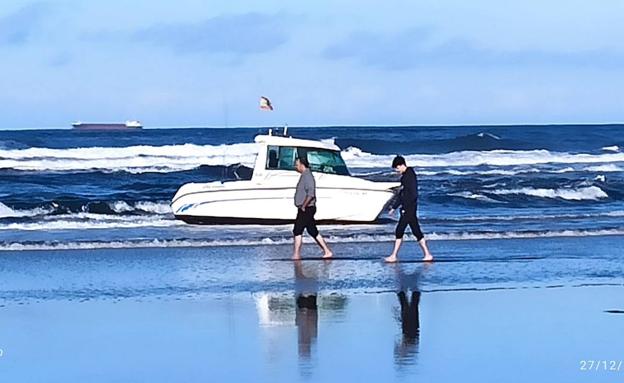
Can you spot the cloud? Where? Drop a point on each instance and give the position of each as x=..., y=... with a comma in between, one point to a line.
x=60, y=60
x=242, y=34
x=19, y=27
x=418, y=47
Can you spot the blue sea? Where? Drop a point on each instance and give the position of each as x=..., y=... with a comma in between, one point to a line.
x=67, y=189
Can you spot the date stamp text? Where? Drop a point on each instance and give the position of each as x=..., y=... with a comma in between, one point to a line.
x=600, y=365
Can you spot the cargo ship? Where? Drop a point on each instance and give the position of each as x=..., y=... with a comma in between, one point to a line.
x=128, y=125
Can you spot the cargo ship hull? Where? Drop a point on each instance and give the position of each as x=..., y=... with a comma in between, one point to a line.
x=130, y=125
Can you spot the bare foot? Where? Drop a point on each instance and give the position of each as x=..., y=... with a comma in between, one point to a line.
x=428, y=258
x=391, y=259
x=328, y=255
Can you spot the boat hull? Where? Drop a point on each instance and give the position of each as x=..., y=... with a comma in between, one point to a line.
x=199, y=220
x=90, y=127
x=243, y=202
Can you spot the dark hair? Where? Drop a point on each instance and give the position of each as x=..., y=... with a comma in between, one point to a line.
x=304, y=161
x=398, y=160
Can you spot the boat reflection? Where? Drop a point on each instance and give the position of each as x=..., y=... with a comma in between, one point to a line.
x=308, y=308
x=279, y=310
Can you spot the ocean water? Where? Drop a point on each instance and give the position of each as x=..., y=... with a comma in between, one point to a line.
x=64, y=189
x=100, y=283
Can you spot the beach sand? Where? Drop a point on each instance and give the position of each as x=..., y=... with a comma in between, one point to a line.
x=508, y=310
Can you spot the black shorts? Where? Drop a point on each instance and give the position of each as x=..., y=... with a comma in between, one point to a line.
x=305, y=220
x=408, y=217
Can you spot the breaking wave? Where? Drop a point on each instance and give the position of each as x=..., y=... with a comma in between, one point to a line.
x=141, y=206
x=361, y=238
x=475, y=196
x=132, y=159
x=605, y=168
x=591, y=193
x=7, y=212
x=357, y=158
x=174, y=158
x=89, y=209
x=83, y=221
x=613, y=148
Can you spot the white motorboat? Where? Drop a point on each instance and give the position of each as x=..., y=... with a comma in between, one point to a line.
x=267, y=198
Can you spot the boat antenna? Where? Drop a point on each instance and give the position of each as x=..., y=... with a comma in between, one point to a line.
x=286, y=130
x=224, y=101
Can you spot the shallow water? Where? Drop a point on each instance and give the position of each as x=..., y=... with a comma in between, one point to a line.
x=536, y=334
x=511, y=310
x=221, y=271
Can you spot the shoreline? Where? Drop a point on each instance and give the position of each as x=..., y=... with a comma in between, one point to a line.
x=205, y=244
x=146, y=273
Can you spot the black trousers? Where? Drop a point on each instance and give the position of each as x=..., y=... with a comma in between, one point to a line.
x=305, y=220
x=408, y=217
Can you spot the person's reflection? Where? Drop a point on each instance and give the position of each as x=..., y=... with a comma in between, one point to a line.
x=408, y=293
x=306, y=311
x=410, y=322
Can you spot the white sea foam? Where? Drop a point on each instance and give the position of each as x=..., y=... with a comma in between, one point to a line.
x=483, y=135
x=360, y=238
x=564, y=170
x=6, y=212
x=470, y=195
x=493, y=172
x=590, y=193
x=143, y=206
x=605, y=168
x=120, y=207
x=613, y=148
x=357, y=158
x=83, y=221
x=154, y=207
x=537, y=217
x=140, y=159
x=520, y=234
x=135, y=159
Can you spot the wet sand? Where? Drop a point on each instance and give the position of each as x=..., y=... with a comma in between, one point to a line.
x=513, y=311
x=531, y=334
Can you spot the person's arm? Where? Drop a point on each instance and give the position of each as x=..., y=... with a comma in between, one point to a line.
x=306, y=201
x=396, y=202
x=309, y=185
x=398, y=199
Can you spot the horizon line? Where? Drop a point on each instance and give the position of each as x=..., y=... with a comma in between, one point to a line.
x=497, y=125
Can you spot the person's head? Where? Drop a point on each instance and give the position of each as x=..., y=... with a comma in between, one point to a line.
x=398, y=164
x=301, y=164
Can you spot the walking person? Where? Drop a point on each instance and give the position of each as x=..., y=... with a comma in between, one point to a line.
x=305, y=200
x=408, y=201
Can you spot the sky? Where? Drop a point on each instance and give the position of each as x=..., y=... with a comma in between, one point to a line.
x=206, y=63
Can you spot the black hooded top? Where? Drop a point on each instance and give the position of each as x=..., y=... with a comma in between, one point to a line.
x=408, y=197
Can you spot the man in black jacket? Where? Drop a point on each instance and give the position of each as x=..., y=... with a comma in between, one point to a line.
x=408, y=201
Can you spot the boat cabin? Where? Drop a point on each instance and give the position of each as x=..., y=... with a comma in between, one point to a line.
x=279, y=154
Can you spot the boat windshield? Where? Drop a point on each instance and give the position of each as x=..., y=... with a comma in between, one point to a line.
x=321, y=160
x=324, y=161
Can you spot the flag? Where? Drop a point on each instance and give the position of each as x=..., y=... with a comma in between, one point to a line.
x=265, y=103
